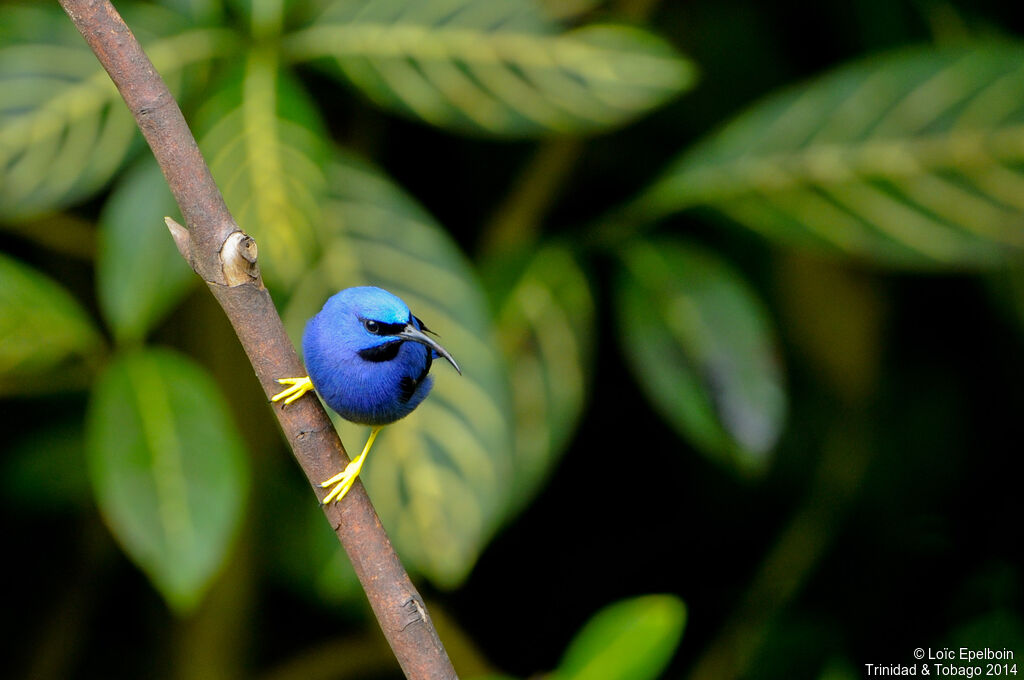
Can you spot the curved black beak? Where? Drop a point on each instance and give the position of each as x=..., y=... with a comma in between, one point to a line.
x=410, y=332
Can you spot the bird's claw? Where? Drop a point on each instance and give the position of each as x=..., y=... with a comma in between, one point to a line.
x=298, y=387
x=342, y=482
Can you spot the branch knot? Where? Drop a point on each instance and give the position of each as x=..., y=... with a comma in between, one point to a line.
x=238, y=259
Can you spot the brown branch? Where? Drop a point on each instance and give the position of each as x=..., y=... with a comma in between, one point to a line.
x=226, y=259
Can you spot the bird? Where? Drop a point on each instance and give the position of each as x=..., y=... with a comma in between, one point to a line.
x=369, y=359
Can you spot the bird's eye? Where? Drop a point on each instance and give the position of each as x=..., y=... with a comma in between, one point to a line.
x=371, y=326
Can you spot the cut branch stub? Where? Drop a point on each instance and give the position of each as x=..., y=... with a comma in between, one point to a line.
x=238, y=260
x=238, y=254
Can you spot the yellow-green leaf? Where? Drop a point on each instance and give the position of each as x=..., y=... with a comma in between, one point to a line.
x=64, y=130
x=497, y=67
x=700, y=343
x=266, y=148
x=439, y=478
x=41, y=326
x=914, y=158
x=629, y=640
x=168, y=469
x=546, y=330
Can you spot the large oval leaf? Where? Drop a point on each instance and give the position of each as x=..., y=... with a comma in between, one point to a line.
x=64, y=130
x=913, y=158
x=265, y=145
x=168, y=469
x=41, y=326
x=546, y=330
x=499, y=67
x=701, y=345
x=139, y=274
x=440, y=478
x=630, y=640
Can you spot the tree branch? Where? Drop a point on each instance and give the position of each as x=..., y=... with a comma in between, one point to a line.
x=225, y=258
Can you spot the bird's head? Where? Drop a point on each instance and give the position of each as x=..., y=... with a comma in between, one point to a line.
x=375, y=324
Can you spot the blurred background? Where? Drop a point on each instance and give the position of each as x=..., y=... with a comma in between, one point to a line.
x=736, y=287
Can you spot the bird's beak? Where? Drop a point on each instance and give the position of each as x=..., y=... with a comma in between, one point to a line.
x=410, y=332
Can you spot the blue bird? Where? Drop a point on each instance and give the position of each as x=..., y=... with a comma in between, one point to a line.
x=369, y=358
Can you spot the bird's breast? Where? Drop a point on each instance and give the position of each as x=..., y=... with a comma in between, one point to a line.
x=373, y=386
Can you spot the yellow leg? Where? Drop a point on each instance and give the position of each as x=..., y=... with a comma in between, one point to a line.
x=344, y=480
x=299, y=386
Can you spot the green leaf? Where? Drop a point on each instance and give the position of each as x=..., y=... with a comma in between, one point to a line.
x=497, y=67
x=64, y=130
x=630, y=640
x=702, y=347
x=265, y=145
x=42, y=327
x=546, y=330
x=439, y=478
x=168, y=469
x=139, y=274
x=914, y=158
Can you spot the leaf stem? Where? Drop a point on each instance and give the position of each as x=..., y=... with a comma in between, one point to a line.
x=516, y=222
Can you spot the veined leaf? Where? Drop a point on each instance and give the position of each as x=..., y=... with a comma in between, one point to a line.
x=546, y=328
x=702, y=347
x=64, y=130
x=914, y=158
x=139, y=275
x=498, y=67
x=41, y=325
x=440, y=477
x=168, y=469
x=630, y=640
x=266, y=149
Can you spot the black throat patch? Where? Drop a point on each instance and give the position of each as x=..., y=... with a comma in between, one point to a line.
x=384, y=352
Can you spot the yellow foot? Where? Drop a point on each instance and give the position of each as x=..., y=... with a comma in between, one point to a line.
x=344, y=480
x=299, y=386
